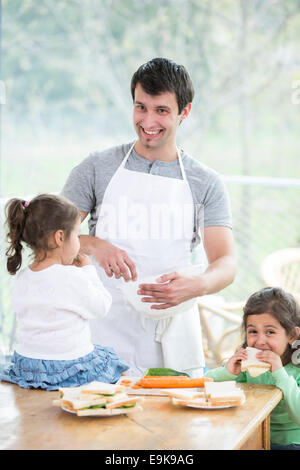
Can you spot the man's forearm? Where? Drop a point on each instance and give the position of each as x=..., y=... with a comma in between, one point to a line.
x=88, y=244
x=112, y=259
x=217, y=276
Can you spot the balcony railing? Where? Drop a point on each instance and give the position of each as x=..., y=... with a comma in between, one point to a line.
x=266, y=217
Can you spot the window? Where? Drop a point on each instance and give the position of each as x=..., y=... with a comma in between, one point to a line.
x=67, y=67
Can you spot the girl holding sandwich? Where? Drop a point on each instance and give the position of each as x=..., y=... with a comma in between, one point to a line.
x=54, y=298
x=271, y=323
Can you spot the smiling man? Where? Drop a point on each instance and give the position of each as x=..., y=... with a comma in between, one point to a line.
x=125, y=190
x=156, y=120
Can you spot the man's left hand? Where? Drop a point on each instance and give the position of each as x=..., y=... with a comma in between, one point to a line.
x=171, y=289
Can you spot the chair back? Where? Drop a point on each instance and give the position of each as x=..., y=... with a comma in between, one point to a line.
x=282, y=269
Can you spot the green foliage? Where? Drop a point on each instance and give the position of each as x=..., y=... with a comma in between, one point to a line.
x=67, y=67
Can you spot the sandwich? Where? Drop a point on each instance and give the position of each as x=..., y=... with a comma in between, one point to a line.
x=125, y=402
x=215, y=394
x=68, y=393
x=191, y=402
x=254, y=366
x=117, y=406
x=100, y=388
x=184, y=395
x=97, y=399
x=224, y=393
x=224, y=387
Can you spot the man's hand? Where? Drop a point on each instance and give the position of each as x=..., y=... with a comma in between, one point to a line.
x=172, y=289
x=112, y=259
x=115, y=261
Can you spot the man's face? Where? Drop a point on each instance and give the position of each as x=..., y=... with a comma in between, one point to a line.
x=156, y=118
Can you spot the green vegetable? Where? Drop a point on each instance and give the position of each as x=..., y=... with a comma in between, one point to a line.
x=163, y=372
x=130, y=405
x=103, y=405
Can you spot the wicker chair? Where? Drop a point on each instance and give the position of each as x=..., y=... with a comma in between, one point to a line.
x=219, y=347
x=282, y=269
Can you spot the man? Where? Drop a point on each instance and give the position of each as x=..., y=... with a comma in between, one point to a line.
x=145, y=201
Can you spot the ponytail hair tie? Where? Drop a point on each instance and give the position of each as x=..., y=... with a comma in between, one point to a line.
x=26, y=203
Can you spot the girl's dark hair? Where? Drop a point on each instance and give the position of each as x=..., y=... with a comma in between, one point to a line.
x=160, y=75
x=33, y=224
x=281, y=305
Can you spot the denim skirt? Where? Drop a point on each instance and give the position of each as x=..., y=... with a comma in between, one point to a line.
x=102, y=365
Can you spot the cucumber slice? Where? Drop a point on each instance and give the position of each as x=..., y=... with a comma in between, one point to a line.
x=159, y=371
x=94, y=407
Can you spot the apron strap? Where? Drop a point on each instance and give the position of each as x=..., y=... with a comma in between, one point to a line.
x=127, y=155
x=181, y=165
x=178, y=154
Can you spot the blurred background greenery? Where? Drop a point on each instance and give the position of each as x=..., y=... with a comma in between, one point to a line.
x=67, y=65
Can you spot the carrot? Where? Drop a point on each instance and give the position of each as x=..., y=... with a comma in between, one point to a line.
x=163, y=376
x=173, y=382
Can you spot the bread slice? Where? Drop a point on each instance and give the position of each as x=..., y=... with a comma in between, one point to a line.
x=254, y=366
x=191, y=401
x=70, y=392
x=76, y=404
x=256, y=371
x=74, y=395
x=224, y=393
x=90, y=396
x=183, y=395
x=217, y=388
x=101, y=388
x=117, y=396
x=124, y=401
x=108, y=411
x=234, y=399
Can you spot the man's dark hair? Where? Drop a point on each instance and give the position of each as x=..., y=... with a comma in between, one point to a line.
x=160, y=75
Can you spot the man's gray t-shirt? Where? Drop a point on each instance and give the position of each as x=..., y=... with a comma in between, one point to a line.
x=87, y=183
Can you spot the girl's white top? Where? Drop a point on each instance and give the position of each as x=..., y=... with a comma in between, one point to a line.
x=53, y=309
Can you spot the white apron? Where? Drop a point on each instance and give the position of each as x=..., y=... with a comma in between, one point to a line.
x=141, y=214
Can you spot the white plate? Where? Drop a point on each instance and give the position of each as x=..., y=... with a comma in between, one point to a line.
x=221, y=407
x=113, y=412
x=209, y=407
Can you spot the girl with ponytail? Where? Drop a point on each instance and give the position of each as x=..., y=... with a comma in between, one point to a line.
x=54, y=298
x=15, y=218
